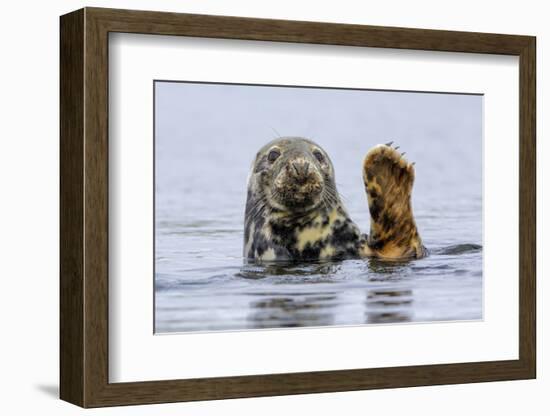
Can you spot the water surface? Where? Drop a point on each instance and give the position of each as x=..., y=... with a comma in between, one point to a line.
x=206, y=137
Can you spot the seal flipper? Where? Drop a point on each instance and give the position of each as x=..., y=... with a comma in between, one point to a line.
x=388, y=179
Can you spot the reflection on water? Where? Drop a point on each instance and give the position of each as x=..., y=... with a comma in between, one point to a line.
x=387, y=306
x=287, y=312
x=444, y=286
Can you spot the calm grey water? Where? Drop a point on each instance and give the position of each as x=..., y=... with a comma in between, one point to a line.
x=206, y=137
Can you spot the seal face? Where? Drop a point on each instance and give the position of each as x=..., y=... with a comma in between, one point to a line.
x=294, y=213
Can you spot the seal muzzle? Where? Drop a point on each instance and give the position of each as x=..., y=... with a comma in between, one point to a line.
x=298, y=184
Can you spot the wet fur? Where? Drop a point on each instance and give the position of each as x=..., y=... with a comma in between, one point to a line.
x=279, y=232
x=388, y=180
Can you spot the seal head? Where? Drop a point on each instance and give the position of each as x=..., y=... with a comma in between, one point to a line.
x=294, y=175
x=293, y=211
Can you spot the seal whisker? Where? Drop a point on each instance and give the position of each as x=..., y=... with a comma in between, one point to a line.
x=275, y=131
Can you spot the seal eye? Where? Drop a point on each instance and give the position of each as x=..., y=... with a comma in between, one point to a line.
x=319, y=156
x=273, y=155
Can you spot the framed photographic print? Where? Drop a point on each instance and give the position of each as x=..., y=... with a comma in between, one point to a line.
x=255, y=207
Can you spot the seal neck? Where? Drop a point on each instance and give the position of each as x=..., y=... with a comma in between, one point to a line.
x=301, y=218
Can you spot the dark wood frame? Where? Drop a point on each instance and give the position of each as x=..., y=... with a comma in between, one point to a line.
x=84, y=207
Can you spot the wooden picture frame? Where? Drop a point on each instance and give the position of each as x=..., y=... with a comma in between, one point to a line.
x=84, y=207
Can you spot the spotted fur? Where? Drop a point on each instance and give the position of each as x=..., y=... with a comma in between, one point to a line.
x=388, y=180
x=294, y=213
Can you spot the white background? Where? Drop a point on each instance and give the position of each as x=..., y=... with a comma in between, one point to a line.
x=29, y=217
x=311, y=349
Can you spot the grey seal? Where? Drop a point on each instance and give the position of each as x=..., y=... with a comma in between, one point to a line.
x=294, y=212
